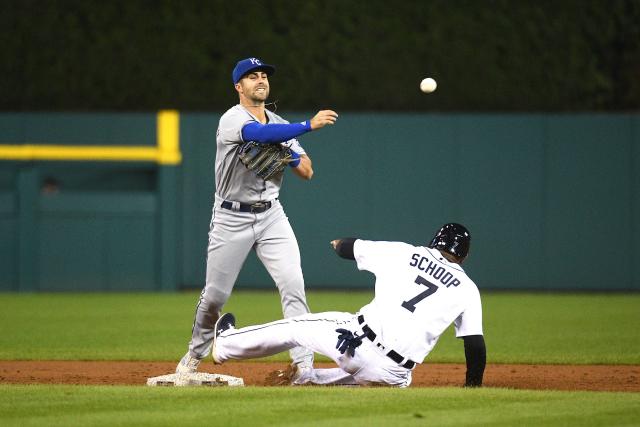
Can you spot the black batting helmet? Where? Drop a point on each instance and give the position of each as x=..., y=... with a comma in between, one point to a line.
x=452, y=238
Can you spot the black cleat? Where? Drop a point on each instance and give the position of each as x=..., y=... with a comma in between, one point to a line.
x=225, y=322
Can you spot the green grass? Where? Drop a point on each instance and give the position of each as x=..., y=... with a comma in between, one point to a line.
x=519, y=327
x=557, y=328
x=253, y=406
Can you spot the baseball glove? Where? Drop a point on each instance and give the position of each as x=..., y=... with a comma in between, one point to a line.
x=266, y=160
x=280, y=377
x=289, y=376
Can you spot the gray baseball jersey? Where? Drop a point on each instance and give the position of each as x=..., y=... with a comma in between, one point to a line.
x=234, y=182
x=234, y=233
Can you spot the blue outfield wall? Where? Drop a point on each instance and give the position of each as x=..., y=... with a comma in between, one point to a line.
x=552, y=201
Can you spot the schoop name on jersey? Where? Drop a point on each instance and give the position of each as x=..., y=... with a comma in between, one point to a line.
x=433, y=269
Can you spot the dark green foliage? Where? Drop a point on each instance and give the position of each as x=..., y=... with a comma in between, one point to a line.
x=490, y=55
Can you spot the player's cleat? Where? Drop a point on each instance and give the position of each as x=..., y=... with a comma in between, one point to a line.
x=225, y=322
x=188, y=364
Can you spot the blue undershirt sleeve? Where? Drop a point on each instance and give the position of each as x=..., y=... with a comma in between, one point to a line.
x=273, y=133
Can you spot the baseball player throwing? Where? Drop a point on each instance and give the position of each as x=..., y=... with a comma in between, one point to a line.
x=253, y=147
x=419, y=292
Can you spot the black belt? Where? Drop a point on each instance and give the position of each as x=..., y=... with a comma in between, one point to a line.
x=395, y=356
x=257, y=207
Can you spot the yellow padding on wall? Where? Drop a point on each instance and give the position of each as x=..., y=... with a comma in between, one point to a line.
x=74, y=152
x=169, y=137
x=166, y=152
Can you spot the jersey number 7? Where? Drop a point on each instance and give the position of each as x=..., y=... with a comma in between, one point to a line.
x=431, y=288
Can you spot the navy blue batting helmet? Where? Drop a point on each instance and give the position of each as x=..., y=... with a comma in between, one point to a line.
x=452, y=238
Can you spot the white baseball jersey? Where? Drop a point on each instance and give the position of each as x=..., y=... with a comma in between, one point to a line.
x=418, y=294
x=234, y=182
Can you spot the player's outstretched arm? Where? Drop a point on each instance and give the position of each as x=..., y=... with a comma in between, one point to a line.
x=273, y=133
x=344, y=247
x=475, y=352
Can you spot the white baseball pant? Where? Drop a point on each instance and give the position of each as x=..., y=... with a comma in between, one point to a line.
x=316, y=332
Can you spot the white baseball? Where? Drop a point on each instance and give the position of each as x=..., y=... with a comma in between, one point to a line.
x=428, y=85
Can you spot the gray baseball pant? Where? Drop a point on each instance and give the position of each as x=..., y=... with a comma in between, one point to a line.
x=232, y=235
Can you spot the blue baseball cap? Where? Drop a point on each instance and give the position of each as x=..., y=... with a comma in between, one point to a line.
x=251, y=64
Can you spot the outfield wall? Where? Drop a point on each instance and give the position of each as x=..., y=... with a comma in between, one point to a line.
x=552, y=201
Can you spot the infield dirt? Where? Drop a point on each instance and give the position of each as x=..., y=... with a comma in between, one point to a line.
x=538, y=377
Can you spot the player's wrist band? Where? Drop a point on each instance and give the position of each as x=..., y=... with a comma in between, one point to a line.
x=296, y=159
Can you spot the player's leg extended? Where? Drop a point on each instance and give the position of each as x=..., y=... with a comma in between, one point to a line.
x=277, y=248
x=230, y=240
x=314, y=331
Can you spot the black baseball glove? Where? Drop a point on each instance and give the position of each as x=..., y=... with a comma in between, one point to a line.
x=348, y=342
x=266, y=160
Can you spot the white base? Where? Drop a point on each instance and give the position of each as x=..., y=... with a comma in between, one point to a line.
x=195, y=379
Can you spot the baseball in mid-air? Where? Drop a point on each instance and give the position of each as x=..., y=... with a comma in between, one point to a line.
x=428, y=85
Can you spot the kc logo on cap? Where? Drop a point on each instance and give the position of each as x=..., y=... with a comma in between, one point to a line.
x=248, y=65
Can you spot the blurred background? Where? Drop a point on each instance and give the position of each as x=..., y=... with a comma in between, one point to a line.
x=532, y=139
